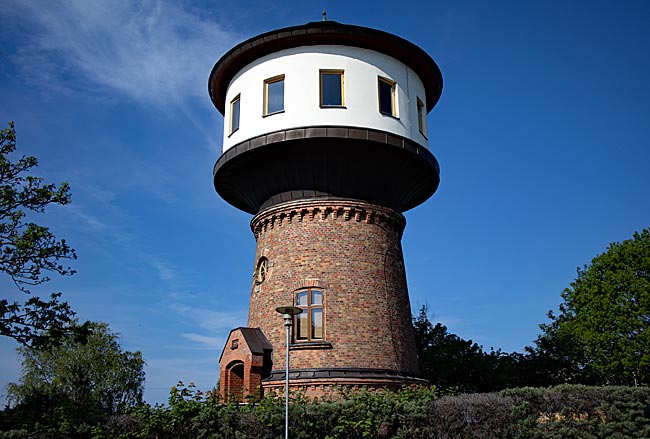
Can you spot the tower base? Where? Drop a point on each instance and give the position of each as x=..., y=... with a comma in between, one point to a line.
x=330, y=383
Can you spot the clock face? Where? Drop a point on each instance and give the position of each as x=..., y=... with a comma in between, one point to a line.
x=262, y=269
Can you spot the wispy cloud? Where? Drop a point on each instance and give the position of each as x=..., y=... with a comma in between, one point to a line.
x=90, y=221
x=152, y=51
x=163, y=373
x=206, y=341
x=213, y=322
x=165, y=270
x=97, y=196
x=154, y=178
x=108, y=227
x=209, y=319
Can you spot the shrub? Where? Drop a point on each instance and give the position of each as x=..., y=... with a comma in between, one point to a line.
x=480, y=416
x=568, y=411
x=576, y=411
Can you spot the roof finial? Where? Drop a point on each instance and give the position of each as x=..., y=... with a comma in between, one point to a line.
x=324, y=13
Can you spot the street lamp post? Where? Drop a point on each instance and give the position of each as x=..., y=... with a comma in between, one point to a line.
x=288, y=312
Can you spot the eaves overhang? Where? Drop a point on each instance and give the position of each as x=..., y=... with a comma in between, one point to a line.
x=324, y=33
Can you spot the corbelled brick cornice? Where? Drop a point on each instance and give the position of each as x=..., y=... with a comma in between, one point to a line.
x=327, y=210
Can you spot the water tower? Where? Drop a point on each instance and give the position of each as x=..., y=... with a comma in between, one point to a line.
x=325, y=144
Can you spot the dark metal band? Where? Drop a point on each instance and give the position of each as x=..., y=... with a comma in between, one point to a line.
x=343, y=373
x=326, y=161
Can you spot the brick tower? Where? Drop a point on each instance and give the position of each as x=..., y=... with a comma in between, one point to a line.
x=325, y=143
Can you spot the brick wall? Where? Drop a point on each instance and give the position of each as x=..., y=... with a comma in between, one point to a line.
x=335, y=389
x=352, y=251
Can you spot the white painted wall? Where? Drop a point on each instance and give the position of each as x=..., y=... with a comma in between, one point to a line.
x=302, y=99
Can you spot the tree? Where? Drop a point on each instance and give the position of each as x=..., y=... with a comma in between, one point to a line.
x=601, y=334
x=450, y=362
x=446, y=360
x=28, y=251
x=76, y=382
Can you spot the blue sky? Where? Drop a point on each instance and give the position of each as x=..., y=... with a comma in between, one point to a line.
x=542, y=134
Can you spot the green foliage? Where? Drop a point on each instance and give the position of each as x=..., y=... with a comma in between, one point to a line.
x=577, y=411
x=190, y=413
x=360, y=414
x=457, y=365
x=446, y=360
x=67, y=388
x=485, y=415
x=414, y=413
x=29, y=251
x=566, y=411
x=601, y=335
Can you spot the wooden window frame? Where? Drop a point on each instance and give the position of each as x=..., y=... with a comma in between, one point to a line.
x=307, y=311
x=339, y=72
x=268, y=82
x=393, y=98
x=235, y=100
x=422, y=115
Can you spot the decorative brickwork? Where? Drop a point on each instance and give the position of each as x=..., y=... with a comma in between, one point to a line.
x=351, y=250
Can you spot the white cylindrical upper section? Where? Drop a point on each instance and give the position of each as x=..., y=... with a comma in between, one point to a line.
x=301, y=68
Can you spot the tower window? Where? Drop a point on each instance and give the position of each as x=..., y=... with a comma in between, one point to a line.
x=261, y=270
x=234, y=114
x=387, y=97
x=274, y=95
x=309, y=324
x=331, y=88
x=422, y=118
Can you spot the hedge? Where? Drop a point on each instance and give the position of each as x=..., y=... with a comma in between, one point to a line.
x=565, y=412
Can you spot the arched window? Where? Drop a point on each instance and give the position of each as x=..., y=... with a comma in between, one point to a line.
x=309, y=324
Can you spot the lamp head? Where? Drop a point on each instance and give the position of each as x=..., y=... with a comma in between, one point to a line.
x=288, y=312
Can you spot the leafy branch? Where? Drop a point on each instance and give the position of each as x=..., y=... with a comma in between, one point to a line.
x=28, y=251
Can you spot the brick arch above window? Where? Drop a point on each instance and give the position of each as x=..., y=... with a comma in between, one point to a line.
x=308, y=283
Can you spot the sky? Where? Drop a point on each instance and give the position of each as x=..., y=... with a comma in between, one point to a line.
x=542, y=134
